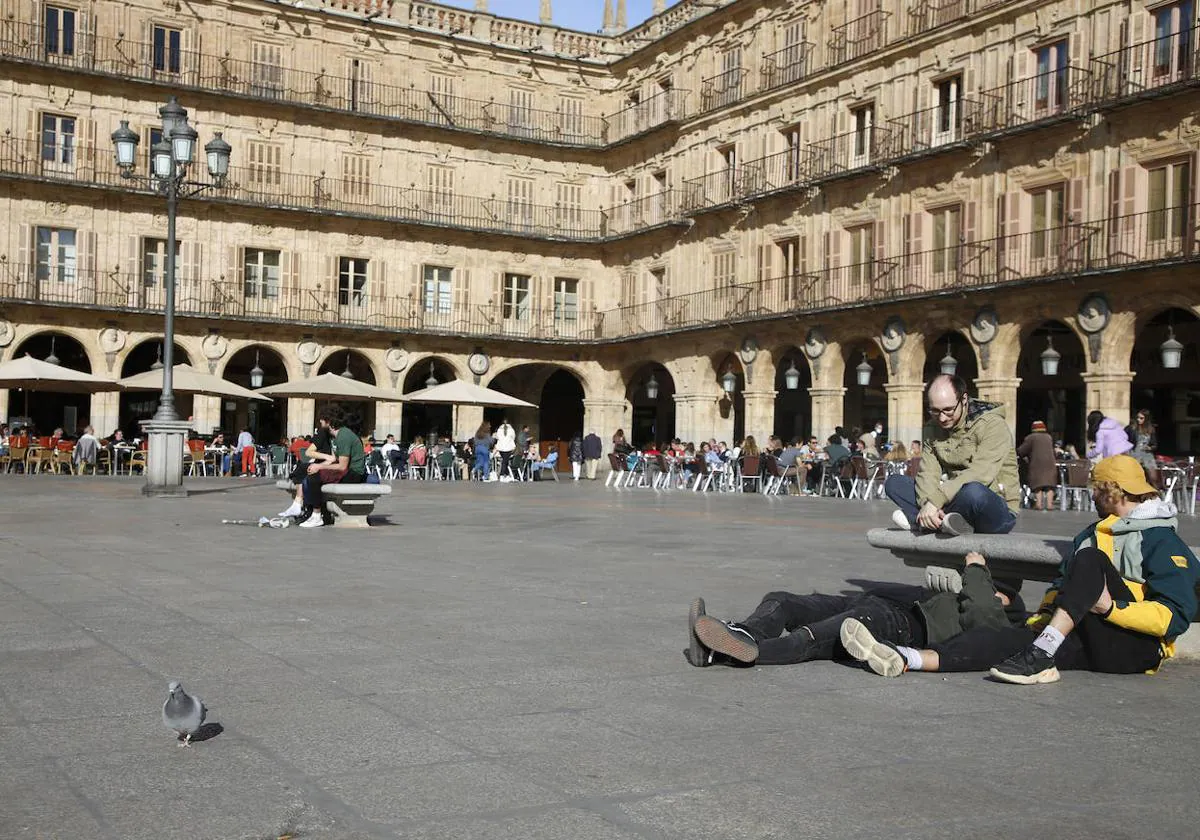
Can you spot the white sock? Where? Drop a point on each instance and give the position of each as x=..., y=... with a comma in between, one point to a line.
x=1049, y=641
x=912, y=656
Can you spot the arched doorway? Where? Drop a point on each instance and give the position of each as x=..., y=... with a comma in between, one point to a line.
x=863, y=405
x=136, y=406
x=559, y=396
x=1057, y=398
x=793, y=404
x=947, y=346
x=360, y=414
x=47, y=410
x=732, y=404
x=267, y=421
x=651, y=394
x=428, y=421
x=1172, y=395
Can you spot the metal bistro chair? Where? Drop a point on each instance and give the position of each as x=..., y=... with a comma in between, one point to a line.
x=831, y=478
x=445, y=468
x=1075, y=490
x=750, y=470
x=704, y=474
x=616, y=470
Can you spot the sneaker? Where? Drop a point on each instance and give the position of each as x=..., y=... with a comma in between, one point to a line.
x=956, y=526
x=880, y=657
x=294, y=510
x=941, y=579
x=695, y=653
x=727, y=638
x=314, y=521
x=900, y=520
x=1029, y=667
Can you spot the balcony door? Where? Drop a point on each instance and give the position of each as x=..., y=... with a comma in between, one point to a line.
x=947, y=116
x=1050, y=83
x=58, y=144
x=1174, y=41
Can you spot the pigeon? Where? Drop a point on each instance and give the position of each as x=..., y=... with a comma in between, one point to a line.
x=183, y=713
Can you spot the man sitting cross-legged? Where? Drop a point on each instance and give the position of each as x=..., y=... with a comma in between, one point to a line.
x=902, y=614
x=1118, y=604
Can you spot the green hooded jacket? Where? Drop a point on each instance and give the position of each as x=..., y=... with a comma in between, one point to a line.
x=980, y=448
x=947, y=614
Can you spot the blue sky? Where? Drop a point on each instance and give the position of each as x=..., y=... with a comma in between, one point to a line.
x=584, y=15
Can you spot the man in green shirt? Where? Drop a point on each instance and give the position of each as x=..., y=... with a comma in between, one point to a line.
x=349, y=468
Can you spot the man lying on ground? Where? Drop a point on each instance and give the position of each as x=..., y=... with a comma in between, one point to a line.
x=899, y=613
x=1119, y=602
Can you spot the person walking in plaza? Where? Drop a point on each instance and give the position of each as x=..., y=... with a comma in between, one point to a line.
x=1038, y=451
x=1143, y=435
x=787, y=629
x=246, y=451
x=593, y=451
x=1106, y=437
x=967, y=480
x=1120, y=601
x=482, y=445
x=575, y=455
x=506, y=445
x=350, y=467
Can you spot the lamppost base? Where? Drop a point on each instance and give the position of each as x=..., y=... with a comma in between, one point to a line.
x=164, y=457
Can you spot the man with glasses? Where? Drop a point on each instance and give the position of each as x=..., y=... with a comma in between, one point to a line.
x=967, y=481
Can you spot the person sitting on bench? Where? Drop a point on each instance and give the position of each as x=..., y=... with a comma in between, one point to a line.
x=349, y=468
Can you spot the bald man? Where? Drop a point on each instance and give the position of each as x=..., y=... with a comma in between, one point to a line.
x=968, y=481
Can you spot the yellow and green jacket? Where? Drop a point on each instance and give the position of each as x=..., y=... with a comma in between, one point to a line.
x=1157, y=566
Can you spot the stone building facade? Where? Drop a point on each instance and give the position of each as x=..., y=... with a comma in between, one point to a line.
x=785, y=192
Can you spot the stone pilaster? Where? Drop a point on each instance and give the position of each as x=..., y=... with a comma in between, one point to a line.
x=105, y=412
x=1109, y=393
x=697, y=418
x=388, y=419
x=827, y=409
x=760, y=414
x=605, y=416
x=4, y=405
x=1001, y=390
x=467, y=419
x=905, y=410
x=301, y=416
x=206, y=414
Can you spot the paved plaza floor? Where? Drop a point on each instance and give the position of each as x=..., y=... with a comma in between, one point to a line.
x=504, y=661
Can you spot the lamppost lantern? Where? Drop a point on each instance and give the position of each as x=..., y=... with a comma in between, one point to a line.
x=1171, y=349
x=1050, y=358
x=256, y=373
x=729, y=381
x=863, y=371
x=173, y=116
x=52, y=359
x=158, y=365
x=791, y=376
x=347, y=373
x=949, y=364
x=183, y=144
x=218, y=151
x=125, y=141
x=161, y=161
x=432, y=380
x=652, y=387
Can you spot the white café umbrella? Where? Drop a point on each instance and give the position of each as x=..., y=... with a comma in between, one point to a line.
x=458, y=392
x=189, y=380
x=33, y=374
x=332, y=386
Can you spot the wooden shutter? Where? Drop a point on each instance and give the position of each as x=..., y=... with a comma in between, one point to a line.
x=333, y=298
x=376, y=287
x=1012, y=204
x=234, y=285
x=460, y=289
x=498, y=291
x=289, y=279
x=833, y=249
x=85, y=148
x=970, y=221
x=1076, y=201
x=416, y=292
x=916, y=233
x=880, y=240
x=1132, y=178
x=88, y=245
x=132, y=263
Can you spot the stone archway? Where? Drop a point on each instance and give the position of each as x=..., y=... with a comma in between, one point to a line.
x=863, y=405
x=793, y=403
x=1059, y=400
x=558, y=394
x=951, y=345
x=652, y=417
x=1171, y=395
x=135, y=406
x=267, y=421
x=731, y=407
x=360, y=414
x=49, y=409
x=427, y=421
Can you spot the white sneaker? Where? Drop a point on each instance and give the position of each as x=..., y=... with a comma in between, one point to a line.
x=505, y=479
x=900, y=520
x=294, y=510
x=314, y=521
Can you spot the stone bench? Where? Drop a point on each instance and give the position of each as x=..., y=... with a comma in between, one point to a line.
x=350, y=504
x=1027, y=556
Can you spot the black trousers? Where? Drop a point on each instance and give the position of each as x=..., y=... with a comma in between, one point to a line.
x=813, y=622
x=314, y=497
x=1094, y=645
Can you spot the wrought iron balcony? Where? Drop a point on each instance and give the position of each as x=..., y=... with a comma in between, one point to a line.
x=1150, y=69
x=930, y=14
x=263, y=187
x=723, y=89
x=787, y=66
x=662, y=109
x=845, y=154
x=1054, y=96
x=191, y=70
x=930, y=130
x=858, y=37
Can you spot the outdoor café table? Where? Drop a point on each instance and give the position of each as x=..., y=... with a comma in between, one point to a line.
x=119, y=452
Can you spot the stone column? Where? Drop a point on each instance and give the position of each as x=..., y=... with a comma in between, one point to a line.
x=206, y=414
x=164, y=457
x=4, y=405
x=467, y=419
x=1001, y=390
x=905, y=410
x=388, y=419
x=1109, y=393
x=760, y=414
x=301, y=416
x=697, y=418
x=827, y=408
x=105, y=412
x=605, y=416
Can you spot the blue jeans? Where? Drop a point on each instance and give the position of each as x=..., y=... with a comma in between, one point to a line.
x=984, y=510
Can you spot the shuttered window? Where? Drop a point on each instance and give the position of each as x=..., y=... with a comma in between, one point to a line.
x=266, y=70
x=862, y=253
x=154, y=262
x=724, y=271
x=356, y=178
x=947, y=234
x=518, y=297
x=261, y=272
x=58, y=142
x=1168, y=200
x=352, y=282
x=265, y=163
x=167, y=49
x=56, y=254
x=520, y=200
x=437, y=289
x=566, y=302
x=520, y=108
x=568, y=204
x=1049, y=216
x=60, y=32
x=570, y=116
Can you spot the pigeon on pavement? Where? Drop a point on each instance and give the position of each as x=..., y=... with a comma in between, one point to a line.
x=183, y=713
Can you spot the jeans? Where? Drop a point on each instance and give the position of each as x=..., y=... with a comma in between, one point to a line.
x=814, y=622
x=483, y=462
x=984, y=509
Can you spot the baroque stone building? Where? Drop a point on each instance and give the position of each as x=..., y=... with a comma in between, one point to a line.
x=787, y=197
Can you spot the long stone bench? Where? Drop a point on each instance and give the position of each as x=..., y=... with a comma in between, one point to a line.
x=1027, y=556
x=350, y=504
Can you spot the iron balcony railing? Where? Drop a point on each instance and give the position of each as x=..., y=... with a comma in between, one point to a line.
x=62, y=161
x=1054, y=96
x=787, y=66
x=723, y=89
x=858, y=37
x=192, y=70
x=930, y=129
x=853, y=151
x=1162, y=237
x=664, y=108
x=1151, y=68
x=930, y=14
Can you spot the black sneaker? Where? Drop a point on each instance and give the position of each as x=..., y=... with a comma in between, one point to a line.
x=696, y=653
x=1029, y=667
x=727, y=638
